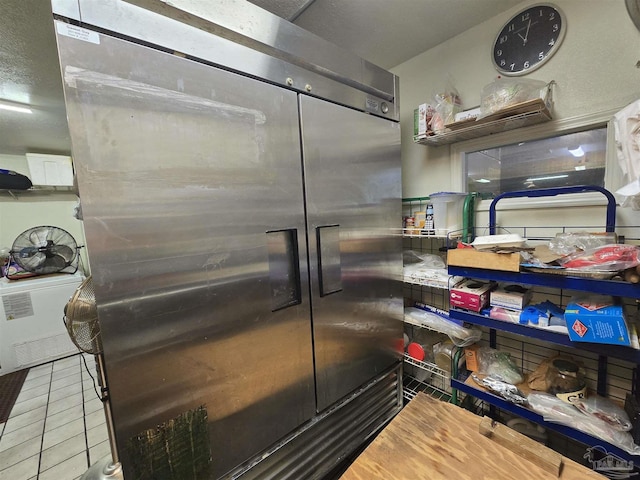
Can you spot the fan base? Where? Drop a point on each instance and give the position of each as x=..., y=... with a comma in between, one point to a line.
x=104, y=469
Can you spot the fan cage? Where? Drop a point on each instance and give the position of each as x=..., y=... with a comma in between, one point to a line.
x=45, y=249
x=81, y=319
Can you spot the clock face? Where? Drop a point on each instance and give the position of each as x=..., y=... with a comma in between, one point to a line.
x=529, y=39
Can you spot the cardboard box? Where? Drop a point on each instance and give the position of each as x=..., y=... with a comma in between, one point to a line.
x=467, y=115
x=596, y=319
x=513, y=297
x=470, y=257
x=470, y=294
x=471, y=357
x=421, y=118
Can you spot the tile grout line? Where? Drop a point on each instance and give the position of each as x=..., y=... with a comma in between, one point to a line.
x=84, y=409
x=44, y=424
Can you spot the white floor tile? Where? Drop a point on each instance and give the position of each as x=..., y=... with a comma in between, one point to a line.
x=72, y=370
x=28, y=405
x=90, y=385
x=92, y=404
x=64, y=403
x=65, y=392
x=63, y=451
x=60, y=434
x=21, y=435
x=94, y=419
x=73, y=434
x=25, y=419
x=97, y=435
x=65, y=382
x=66, y=416
x=71, y=468
x=66, y=362
x=39, y=371
x=20, y=452
x=99, y=451
x=36, y=382
x=23, y=470
x=33, y=392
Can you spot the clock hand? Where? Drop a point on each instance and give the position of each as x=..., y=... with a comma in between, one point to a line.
x=526, y=35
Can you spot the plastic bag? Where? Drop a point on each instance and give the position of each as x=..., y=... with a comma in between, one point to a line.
x=447, y=104
x=426, y=260
x=555, y=410
x=506, y=390
x=459, y=335
x=607, y=411
x=504, y=92
x=568, y=243
x=499, y=365
x=610, y=258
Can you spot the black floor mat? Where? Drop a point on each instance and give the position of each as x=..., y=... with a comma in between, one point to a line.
x=10, y=385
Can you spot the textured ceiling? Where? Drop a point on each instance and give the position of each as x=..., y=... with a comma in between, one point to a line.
x=29, y=73
x=385, y=32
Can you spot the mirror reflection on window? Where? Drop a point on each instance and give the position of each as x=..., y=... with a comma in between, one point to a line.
x=566, y=160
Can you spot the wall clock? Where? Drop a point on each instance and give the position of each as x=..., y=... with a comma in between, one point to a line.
x=529, y=39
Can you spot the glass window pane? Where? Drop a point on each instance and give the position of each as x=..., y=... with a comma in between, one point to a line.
x=572, y=159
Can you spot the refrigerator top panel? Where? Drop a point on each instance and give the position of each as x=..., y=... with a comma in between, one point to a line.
x=240, y=36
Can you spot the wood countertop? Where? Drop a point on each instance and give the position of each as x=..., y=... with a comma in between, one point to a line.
x=431, y=439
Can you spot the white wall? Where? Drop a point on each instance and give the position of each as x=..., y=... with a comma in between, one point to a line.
x=594, y=68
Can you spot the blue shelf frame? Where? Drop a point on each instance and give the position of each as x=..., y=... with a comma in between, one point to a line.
x=520, y=411
x=616, y=351
x=616, y=288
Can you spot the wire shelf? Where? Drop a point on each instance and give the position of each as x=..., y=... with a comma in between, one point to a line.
x=526, y=114
x=427, y=378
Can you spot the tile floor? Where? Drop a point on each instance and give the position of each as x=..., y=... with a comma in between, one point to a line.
x=57, y=427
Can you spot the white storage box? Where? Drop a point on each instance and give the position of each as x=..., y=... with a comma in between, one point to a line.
x=447, y=211
x=50, y=170
x=513, y=297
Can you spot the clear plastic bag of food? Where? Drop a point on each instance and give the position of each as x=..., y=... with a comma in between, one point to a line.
x=447, y=104
x=607, y=411
x=459, y=335
x=609, y=258
x=555, y=410
x=572, y=242
x=499, y=365
x=505, y=92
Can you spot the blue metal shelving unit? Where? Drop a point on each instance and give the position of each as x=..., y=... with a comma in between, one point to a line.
x=564, y=282
x=623, y=353
x=578, y=435
x=604, y=287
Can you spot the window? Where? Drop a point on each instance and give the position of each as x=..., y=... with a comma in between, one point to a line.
x=571, y=159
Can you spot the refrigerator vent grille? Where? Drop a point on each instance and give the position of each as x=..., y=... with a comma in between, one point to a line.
x=313, y=451
x=42, y=350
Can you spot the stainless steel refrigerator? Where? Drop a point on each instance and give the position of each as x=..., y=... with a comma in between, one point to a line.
x=240, y=186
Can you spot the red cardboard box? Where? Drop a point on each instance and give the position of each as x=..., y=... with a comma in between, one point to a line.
x=471, y=294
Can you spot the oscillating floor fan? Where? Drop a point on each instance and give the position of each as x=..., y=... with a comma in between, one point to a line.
x=83, y=326
x=45, y=249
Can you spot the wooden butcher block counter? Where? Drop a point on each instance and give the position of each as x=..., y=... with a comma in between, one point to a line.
x=430, y=439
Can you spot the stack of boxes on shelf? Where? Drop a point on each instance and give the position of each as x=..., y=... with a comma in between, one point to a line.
x=507, y=302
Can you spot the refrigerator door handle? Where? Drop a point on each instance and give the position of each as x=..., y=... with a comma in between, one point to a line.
x=329, y=264
x=284, y=268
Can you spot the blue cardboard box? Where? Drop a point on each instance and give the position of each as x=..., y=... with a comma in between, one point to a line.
x=596, y=319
